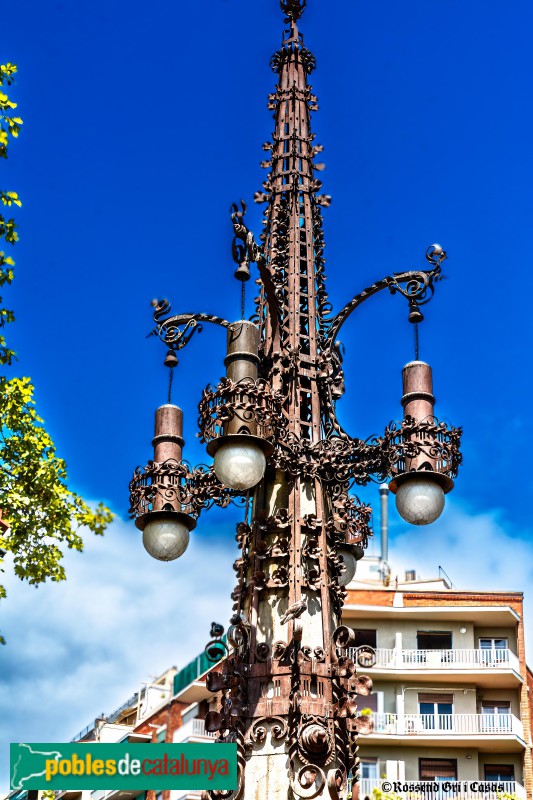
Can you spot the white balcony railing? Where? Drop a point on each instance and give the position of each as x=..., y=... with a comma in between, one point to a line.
x=192, y=729
x=447, y=724
x=449, y=659
x=448, y=790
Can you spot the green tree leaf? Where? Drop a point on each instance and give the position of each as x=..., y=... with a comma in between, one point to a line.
x=41, y=515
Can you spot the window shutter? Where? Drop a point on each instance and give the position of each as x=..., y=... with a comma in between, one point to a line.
x=493, y=705
x=435, y=698
x=499, y=772
x=431, y=768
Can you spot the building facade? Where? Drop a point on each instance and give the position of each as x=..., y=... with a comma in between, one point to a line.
x=451, y=705
x=450, y=700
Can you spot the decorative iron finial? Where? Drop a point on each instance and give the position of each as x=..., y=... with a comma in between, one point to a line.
x=293, y=9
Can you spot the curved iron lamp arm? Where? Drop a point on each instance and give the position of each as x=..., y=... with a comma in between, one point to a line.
x=176, y=331
x=417, y=286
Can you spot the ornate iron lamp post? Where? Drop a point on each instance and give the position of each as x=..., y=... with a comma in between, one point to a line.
x=288, y=690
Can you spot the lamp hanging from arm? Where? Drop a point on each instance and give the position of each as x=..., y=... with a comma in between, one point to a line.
x=165, y=526
x=240, y=454
x=420, y=477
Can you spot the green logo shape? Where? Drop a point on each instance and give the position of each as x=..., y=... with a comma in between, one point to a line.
x=92, y=766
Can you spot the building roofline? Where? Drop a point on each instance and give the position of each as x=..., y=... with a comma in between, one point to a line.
x=412, y=610
x=463, y=594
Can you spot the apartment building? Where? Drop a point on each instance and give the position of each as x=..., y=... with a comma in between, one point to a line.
x=451, y=702
x=451, y=698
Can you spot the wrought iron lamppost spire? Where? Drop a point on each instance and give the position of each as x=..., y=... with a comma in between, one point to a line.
x=288, y=684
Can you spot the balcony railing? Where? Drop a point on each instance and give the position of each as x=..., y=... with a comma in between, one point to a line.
x=447, y=724
x=450, y=659
x=448, y=789
x=192, y=728
x=130, y=702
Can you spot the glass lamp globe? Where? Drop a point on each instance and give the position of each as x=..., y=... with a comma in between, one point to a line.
x=419, y=500
x=239, y=465
x=165, y=538
x=349, y=565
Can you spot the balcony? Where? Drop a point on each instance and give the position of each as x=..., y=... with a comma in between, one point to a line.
x=492, y=668
x=193, y=730
x=486, y=731
x=455, y=790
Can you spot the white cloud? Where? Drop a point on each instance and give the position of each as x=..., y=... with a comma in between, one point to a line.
x=83, y=646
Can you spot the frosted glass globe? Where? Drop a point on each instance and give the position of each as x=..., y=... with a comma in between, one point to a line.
x=239, y=465
x=349, y=565
x=419, y=501
x=165, y=539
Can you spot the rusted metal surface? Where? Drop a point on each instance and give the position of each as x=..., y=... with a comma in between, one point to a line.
x=191, y=489
x=287, y=677
x=424, y=444
x=168, y=433
x=247, y=406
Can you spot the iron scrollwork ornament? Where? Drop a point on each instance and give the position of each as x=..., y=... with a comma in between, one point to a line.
x=281, y=683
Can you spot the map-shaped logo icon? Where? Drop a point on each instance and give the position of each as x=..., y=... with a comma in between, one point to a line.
x=28, y=763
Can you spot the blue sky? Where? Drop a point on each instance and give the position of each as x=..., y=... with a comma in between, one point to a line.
x=141, y=125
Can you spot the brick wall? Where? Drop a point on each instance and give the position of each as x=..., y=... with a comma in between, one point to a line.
x=525, y=709
x=170, y=716
x=370, y=597
x=512, y=599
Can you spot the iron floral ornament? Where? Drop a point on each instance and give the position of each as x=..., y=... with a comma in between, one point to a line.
x=286, y=674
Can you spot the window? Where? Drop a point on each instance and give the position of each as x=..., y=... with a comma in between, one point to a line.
x=369, y=769
x=494, y=650
x=437, y=769
x=496, y=715
x=190, y=713
x=493, y=644
x=365, y=637
x=370, y=701
x=499, y=772
x=434, y=640
x=436, y=711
